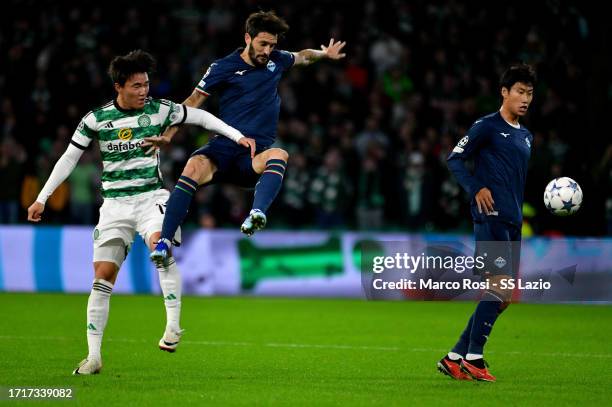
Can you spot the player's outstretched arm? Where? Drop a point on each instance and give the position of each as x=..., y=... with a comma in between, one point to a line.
x=195, y=100
x=208, y=121
x=332, y=51
x=61, y=171
x=211, y=122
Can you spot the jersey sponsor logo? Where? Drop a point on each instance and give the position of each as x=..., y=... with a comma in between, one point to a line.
x=81, y=126
x=118, y=147
x=527, y=142
x=240, y=72
x=125, y=134
x=505, y=134
x=108, y=125
x=144, y=121
x=271, y=66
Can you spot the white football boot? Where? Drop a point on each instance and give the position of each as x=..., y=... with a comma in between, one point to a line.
x=254, y=222
x=88, y=366
x=169, y=342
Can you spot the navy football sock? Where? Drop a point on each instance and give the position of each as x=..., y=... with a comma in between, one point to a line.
x=479, y=363
x=269, y=184
x=484, y=317
x=178, y=206
x=461, y=347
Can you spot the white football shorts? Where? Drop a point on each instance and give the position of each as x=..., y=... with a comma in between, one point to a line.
x=121, y=218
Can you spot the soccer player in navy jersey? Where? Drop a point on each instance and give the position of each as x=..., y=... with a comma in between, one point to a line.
x=501, y=148
x=246, y=81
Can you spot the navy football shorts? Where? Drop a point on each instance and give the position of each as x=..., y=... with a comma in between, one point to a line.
x=233, y=161
x=499, y=243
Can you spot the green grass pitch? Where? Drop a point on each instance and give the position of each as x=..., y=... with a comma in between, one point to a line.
x=272, y=351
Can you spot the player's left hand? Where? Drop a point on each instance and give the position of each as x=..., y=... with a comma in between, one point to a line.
x=332, y=51
x=249, y=143
x=153, y=143
x=35, y=211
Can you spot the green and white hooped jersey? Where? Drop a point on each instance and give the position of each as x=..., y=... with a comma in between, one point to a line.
x=127, y=170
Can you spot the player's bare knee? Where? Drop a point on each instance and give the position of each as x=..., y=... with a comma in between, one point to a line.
x=279, y=154
x=192, y=168
x=200, y=169
x=498, y=289
x=106, y=270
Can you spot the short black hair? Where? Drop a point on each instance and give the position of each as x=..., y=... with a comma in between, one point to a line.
x=137, y=61
x=518, y=73
x=265, y=21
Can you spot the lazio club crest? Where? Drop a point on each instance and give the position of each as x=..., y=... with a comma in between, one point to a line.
x=271, y=66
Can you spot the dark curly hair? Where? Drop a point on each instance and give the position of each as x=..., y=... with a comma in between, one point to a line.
x=122, y=67
x=265, y=21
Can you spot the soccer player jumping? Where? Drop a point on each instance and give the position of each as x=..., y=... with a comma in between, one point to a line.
x=501, y=148
x=247, y=81
x=134, y=199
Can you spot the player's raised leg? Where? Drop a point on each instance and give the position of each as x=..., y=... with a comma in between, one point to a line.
x=99, y=303
x=199, y=170
x=271, y=164
x=171, y=286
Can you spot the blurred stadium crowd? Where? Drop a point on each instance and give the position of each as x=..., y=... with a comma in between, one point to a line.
x=367, y=137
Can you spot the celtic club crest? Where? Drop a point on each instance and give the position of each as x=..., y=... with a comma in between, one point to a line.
x=144, y=121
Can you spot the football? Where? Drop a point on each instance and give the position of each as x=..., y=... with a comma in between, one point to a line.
x=563, y=196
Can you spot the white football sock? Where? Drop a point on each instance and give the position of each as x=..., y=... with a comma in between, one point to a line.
x=97, y=315
x=454, y=356
x=473, y=356
x=170, y=282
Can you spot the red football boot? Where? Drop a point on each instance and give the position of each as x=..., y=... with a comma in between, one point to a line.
x=452, y=368
x=477, y=373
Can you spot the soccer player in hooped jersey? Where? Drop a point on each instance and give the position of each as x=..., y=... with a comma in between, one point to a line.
x=134, y=200
x=247, y=81
x=501, y=148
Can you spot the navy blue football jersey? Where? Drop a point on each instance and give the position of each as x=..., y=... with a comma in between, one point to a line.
x=501, y=154
x=248, y=95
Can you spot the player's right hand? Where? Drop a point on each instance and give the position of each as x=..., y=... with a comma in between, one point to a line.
x=34, y=212
x=249, y=143
x=484, y=201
